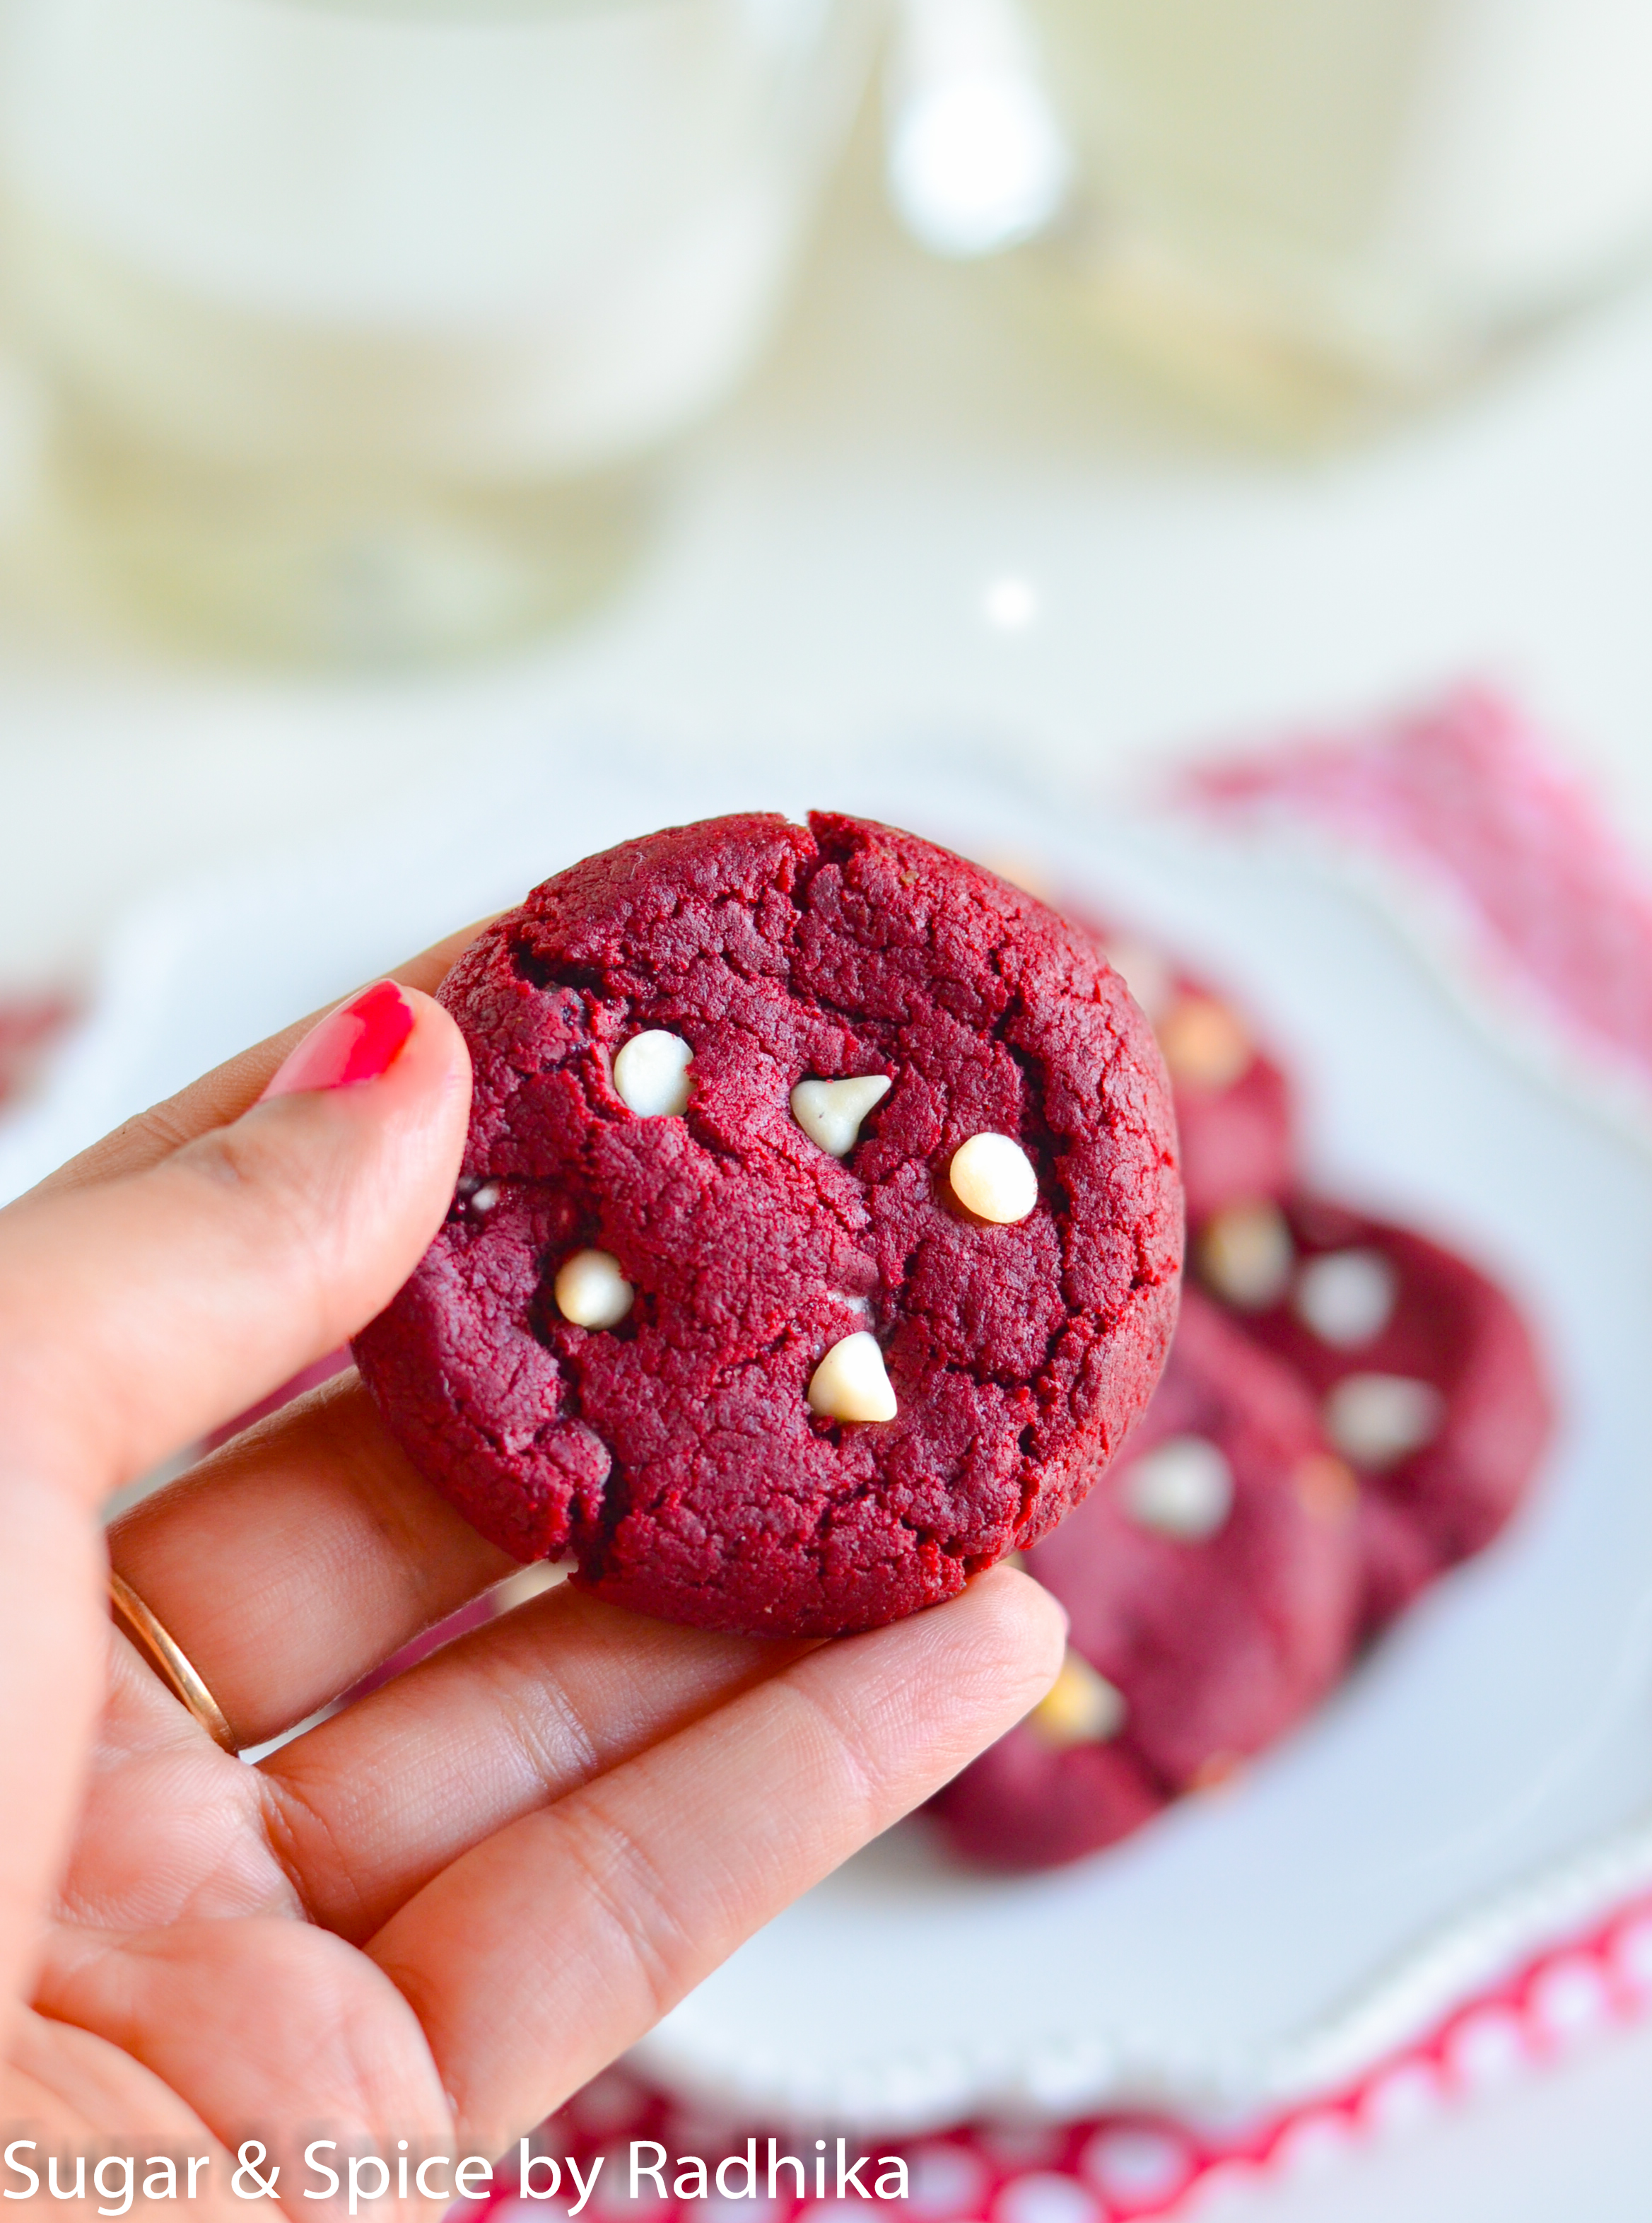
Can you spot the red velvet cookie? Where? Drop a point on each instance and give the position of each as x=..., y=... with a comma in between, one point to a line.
x=1211, y=1582
x=819, y=1230
x=1234, y=1111
x=1429, y=1382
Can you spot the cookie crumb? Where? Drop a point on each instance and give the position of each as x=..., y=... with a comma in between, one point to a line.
x=591, y=1291
x=1246, y=1254
x=1080, y=1707
x=1184, y=1487
x=849, y=1382
x=650, y=1073
x=993, y=1177
x=830, y=1111
x=1377, y=1419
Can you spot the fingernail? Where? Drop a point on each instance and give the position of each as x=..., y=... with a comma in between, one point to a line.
x=358, y=1042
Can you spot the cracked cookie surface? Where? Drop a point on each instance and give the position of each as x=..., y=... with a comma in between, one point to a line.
x=675, y=1453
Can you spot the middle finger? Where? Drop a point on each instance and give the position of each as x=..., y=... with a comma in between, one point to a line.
x=372, y=1802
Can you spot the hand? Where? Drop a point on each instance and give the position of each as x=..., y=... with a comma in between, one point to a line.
x=440, y=1911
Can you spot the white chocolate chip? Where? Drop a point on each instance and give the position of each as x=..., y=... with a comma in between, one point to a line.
x=1182, y=1488
x=1246, y=1254
x=993, y=1178
x=1347, y=1297
x=849, y=1382
x=651, y=1073
x=484, y=1199
x=1145, y=974
x=830, y=1111
x=1204, y=1044
x=1376, y=1418
x=591, y=1291
x=1081, y=1707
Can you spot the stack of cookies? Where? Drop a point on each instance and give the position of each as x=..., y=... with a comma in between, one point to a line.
x=1348, y=1411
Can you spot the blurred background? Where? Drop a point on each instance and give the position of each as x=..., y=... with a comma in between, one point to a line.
x=384, y=376
x=392, y=390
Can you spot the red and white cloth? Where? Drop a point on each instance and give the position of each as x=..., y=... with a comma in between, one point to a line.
x=1467, y=798
x=1113, y=2168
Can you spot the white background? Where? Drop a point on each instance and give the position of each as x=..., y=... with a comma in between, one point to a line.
x=829, y=564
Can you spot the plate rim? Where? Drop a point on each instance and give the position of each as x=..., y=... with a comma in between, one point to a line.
x=1445, y=1966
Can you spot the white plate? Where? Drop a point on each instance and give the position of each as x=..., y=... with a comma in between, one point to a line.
x=1475, y=1790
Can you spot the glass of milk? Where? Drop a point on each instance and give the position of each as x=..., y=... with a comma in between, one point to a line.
x=364, y=323
x=1314, y=201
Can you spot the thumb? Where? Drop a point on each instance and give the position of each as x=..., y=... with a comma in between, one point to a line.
x=137, y=1313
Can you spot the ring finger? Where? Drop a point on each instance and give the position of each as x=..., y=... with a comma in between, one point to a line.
x=299, y=1558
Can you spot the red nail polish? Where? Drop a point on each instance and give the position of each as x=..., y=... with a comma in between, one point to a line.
x=358, y=1042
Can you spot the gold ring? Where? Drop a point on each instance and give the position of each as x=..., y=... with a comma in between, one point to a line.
x=132, y=1614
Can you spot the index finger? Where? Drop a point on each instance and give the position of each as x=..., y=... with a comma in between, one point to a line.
x=225, y=1092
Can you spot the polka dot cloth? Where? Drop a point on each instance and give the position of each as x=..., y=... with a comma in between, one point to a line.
x=1115, y=2168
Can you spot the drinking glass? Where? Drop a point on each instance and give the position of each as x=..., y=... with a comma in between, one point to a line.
x=365, y=323
x=1303, y=207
